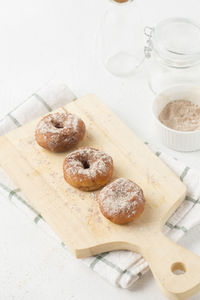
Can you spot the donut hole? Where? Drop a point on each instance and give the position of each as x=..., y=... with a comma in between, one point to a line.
x=86, y=164
x=57, y=124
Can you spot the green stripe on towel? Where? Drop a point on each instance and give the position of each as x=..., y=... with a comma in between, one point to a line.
x=41, y=100
x=63, y=244
x=171, y=226
x=101, y=257
x=185, y=171
x=12, y=193
x=107, y=262
x=14, y=120
x=181, y=228
x=96, y=260
x=188, y=198
x=158, y=153
x=6, y=188
x=37, y=218
x=19, y=105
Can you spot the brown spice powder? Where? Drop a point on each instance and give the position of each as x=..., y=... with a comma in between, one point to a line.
x=182, y=115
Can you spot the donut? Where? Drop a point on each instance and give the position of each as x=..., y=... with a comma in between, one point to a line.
x=87, y=168
x=59, y=132
x=122, y=201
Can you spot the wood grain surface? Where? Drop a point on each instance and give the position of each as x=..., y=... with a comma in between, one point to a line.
x=74, y=214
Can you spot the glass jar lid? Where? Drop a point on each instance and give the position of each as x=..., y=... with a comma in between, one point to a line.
x=177, y=42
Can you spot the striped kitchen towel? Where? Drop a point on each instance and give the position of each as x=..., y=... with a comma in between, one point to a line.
x=121, y=268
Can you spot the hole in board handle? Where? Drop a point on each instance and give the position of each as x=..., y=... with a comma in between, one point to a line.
x=178, y=268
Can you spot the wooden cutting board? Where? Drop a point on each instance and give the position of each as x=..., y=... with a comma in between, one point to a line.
x=74, y=215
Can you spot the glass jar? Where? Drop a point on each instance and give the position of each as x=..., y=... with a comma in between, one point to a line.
x=122, y=39
x=173, y=54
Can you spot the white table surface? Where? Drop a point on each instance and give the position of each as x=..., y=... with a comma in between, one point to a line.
x=41, y=40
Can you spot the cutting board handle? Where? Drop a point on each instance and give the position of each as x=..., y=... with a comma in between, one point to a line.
x=176, y=269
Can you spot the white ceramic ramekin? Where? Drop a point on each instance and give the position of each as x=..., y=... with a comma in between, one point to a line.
x=177, y=140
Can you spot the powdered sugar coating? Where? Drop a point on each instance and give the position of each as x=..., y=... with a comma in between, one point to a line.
x=59, y=131
x=55, y=123
x=88, y=166
x=122, y=196
x=98, y=160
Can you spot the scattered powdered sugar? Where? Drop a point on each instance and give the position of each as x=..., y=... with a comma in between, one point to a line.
x=88, y=161
x=121, y=196
x=55, y=123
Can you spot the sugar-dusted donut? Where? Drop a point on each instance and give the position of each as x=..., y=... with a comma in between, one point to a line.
x=121, y=201
x=59, y=132
x=88, y=168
